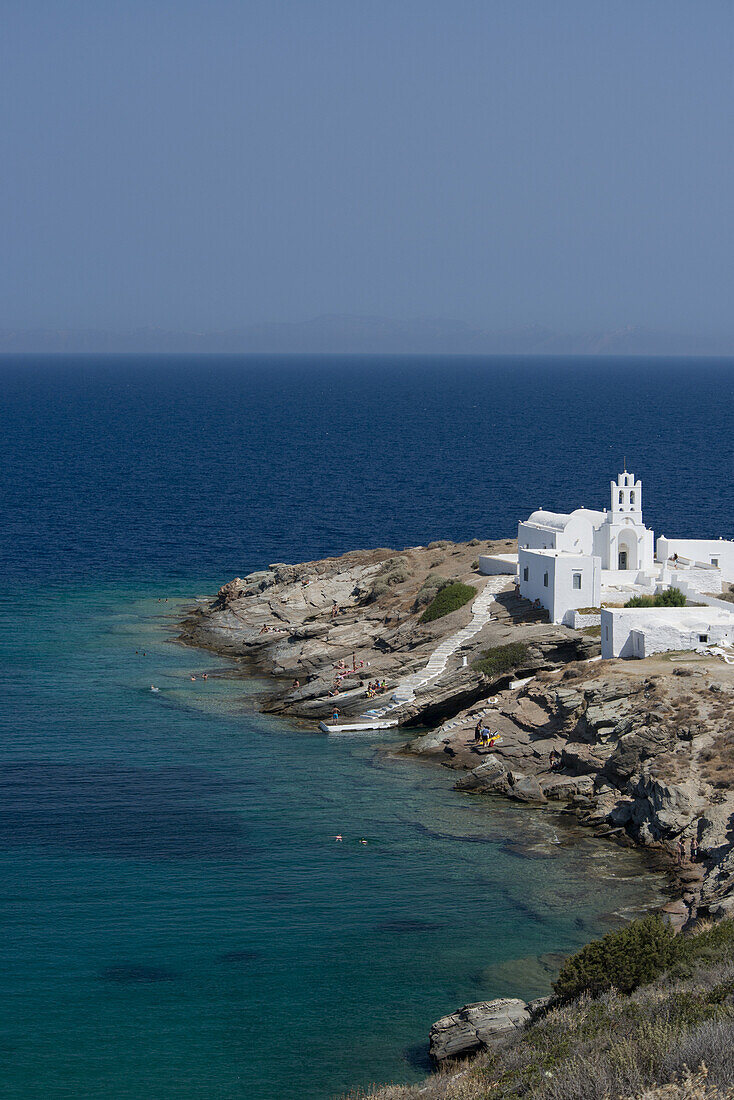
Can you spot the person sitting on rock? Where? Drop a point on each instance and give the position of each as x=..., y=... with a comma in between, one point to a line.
x=554, y=759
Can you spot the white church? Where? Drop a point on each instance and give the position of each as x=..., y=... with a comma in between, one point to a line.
x=581, y=559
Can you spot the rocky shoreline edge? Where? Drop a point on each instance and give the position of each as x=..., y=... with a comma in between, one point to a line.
x=638, y=751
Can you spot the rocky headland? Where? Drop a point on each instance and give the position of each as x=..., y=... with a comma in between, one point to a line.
x=324, y=630
x=641, y=752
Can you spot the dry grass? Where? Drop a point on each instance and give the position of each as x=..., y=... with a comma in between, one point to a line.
x=692, y=1086
x=717, y=762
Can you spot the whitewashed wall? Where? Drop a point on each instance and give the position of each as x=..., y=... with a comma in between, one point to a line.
x=492, y=565
x=663, y=629
x=701, y=550
x=535, y=538
x=698, y=577
x=578, y=621
x=560, y=596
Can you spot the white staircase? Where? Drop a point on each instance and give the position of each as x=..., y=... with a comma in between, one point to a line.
x=406, y=689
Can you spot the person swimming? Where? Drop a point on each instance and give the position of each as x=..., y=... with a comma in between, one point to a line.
x=154, y=688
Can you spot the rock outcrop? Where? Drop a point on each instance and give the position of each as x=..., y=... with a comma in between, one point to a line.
x=640, y=752
x=476, y=1027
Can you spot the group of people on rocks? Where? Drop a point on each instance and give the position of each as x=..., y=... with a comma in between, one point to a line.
x=483, y=735
x=376, y=687
x=342, y=670
x=681, y=850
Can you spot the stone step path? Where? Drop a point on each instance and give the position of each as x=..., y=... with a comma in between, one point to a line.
x=436, y=665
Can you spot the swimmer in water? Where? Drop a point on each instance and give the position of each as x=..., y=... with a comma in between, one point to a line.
x=154, y=688
x=192, y=677
x=338, y=837
x=363, y=841
x=205, y=676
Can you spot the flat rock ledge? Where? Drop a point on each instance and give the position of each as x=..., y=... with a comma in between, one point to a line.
x=475, y=1027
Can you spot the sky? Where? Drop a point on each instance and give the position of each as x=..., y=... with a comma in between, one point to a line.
x=212, y=164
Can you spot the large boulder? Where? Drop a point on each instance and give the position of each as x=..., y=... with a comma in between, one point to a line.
x=670, y=805
x=475, y=1027
x=564, y=787
x=525, y=788
x=490, y=775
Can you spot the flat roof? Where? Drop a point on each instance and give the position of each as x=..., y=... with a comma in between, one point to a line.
x=575, y=554
x=687, y=615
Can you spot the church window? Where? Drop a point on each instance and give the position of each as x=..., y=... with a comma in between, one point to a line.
x=525, y=573
x=545, y=580
x=632, y=497
x=620, y=496
x=577, y=580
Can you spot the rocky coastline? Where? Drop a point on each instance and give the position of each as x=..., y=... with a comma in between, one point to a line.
x=641, y=752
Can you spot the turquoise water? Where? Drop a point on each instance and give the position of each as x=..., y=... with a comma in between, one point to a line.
x=178, y=920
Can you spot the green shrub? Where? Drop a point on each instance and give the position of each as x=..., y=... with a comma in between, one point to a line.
x=621, y=960
x=502, y=658
x=671, y=597
x=448, y=599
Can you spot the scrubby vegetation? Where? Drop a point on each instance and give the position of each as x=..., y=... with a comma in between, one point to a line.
x=394, y=571
x=671, y=597
x=671, y=1038
x=622, y=960
x=717, y=761
x=501, y=659
x=449, y=598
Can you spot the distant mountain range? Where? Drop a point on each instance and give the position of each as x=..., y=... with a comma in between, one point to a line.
x=367, y=335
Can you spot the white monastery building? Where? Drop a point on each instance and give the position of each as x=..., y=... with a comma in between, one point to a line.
x=567, y=561
x=642, y=631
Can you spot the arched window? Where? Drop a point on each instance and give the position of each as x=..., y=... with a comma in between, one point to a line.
x=620, y=496
x=632, y=497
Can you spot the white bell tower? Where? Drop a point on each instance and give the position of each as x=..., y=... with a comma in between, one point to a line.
x=626, y=498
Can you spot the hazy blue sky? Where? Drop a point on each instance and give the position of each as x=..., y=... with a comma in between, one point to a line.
x=212, y=163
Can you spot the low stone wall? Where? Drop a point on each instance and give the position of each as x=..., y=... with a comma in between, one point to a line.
x=578, y=621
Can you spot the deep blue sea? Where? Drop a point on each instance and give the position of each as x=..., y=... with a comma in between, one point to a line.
x=175, y=917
